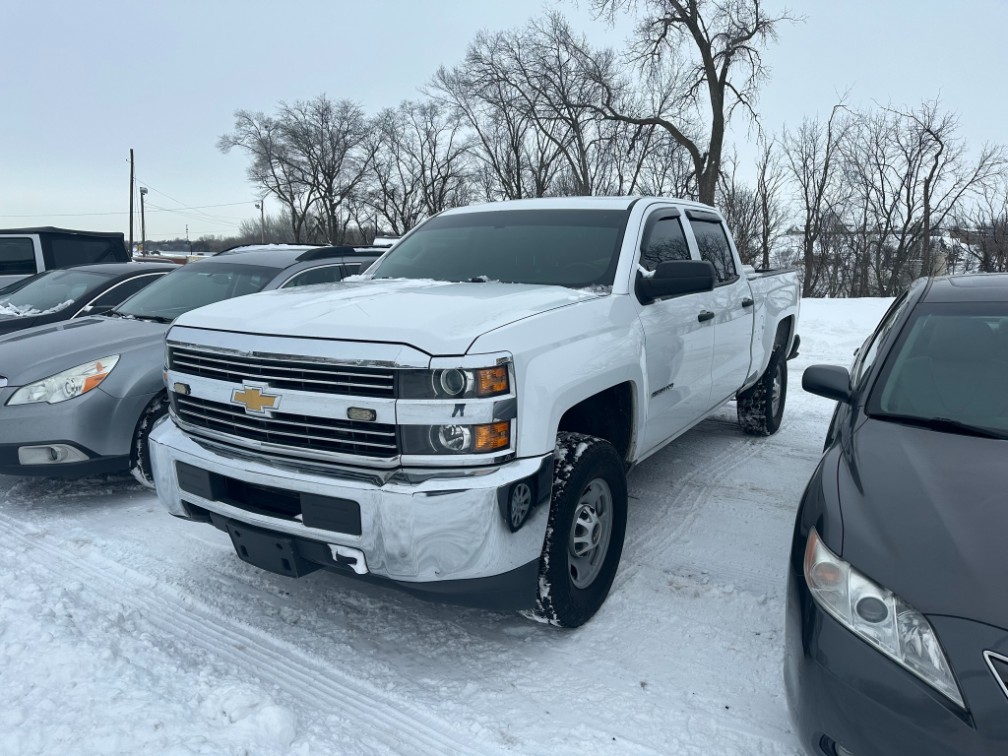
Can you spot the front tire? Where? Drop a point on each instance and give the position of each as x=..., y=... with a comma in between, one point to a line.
x=760, y=407
x=585, y=531
x=140, y=467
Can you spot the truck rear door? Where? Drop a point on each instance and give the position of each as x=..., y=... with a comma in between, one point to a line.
x=732, y=306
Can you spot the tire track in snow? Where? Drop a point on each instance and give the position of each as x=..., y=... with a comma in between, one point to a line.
x=395, y=723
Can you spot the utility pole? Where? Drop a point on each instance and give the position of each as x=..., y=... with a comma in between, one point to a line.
x=187, y=238
x=131, y=204
x=143, y=226
x=260, y=206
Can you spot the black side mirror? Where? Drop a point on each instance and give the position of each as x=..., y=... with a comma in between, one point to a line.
x=675, y=278
x=829, y=381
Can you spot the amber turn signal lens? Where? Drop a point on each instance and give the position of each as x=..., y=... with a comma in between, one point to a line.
x=490, y=381
x=492, y=437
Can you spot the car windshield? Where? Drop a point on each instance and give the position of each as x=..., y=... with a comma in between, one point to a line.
x=948, y=371
x=575, y=248
x=48, y=292
x=194, y=285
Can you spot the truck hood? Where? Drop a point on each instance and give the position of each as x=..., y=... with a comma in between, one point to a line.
x=437, y=317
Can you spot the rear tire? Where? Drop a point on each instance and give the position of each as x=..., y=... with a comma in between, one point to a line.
x=760, y=407
x=140, y=467
x=585, y=531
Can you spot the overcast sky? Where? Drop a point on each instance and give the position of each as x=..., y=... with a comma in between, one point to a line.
x=82, y=83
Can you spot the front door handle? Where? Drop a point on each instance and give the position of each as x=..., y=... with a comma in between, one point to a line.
x=705, y=315
x=747, y=302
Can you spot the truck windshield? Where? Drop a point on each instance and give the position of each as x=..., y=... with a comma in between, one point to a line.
x=947, y=371
x=195, y=285
x=574, y=248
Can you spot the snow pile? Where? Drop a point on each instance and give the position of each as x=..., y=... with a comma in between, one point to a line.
x=125, y=631
x=13, y=311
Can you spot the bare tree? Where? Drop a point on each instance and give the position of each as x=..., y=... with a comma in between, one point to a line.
x=813, y=158
x=516, y=159
x=740, y=207
x=275, y=168
x=329, y=140
x=700, y=60
x=771, y=180
x=420, y=165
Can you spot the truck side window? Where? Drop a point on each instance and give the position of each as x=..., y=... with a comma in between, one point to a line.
x=714, y=248
x=663, y=241
x=17, y=257
x=67, y=251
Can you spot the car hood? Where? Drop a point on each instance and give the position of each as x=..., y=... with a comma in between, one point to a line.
x=37, y=353
x=440, y=318
x=926, y=515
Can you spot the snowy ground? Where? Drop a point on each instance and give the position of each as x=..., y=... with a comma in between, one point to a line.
x=125, y=631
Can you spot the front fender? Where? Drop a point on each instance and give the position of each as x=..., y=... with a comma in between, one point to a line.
x=564, y=356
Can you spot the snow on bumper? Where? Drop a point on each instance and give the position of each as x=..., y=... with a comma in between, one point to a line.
x=439, y=529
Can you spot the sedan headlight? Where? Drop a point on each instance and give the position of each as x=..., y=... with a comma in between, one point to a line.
x=878, y=616
x=66, y=385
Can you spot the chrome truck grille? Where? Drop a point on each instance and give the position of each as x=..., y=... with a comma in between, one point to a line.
x=285, y=373
x=294, y=433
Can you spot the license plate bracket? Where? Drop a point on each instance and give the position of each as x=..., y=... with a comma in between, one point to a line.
x=268, y=551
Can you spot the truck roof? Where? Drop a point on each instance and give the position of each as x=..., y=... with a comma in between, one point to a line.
x=55, y=230
x=569, y=203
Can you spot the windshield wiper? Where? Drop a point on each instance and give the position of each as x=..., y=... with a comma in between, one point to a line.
x=945, y=424
x=152, y=318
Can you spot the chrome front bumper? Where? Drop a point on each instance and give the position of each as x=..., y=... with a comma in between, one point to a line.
x=436, y=529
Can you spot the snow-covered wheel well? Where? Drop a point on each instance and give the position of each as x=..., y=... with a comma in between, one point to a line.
x=608, y=415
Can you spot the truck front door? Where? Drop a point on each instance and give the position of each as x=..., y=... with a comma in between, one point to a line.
x=678, y=344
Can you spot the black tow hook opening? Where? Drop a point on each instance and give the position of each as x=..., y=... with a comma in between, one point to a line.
x=518, y=500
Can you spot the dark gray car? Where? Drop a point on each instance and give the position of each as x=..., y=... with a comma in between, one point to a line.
x=79, y=398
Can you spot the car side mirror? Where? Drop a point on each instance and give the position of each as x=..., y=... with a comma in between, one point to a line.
x=829, y=381
x=675, y=278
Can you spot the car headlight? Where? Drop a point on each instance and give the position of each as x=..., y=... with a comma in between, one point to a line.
x=878, y=616
x=454, y=383
x=66, y=385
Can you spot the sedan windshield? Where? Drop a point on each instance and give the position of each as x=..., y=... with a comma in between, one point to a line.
x=195, y=285
x=948, y=371
x=575, y=248
x=48, y=292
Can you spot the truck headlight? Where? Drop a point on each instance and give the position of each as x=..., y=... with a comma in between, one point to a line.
x=878, y=616
x=456, y=439
x=454, y=383
x=66, y=385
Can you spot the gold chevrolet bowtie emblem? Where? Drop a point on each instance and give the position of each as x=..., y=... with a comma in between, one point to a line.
x=254, y=400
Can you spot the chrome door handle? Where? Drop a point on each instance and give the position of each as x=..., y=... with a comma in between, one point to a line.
x=705, y=315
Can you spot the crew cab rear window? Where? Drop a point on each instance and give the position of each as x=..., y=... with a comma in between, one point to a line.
x=712, y=242
x=17, y=256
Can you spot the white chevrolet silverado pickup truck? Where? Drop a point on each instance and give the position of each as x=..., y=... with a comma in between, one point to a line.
x=459, y=420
